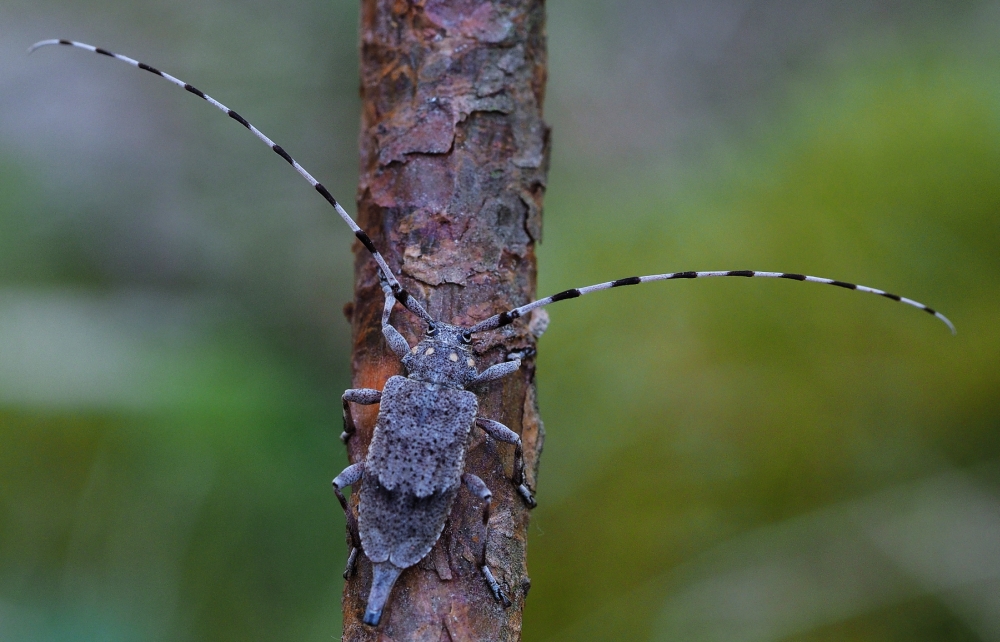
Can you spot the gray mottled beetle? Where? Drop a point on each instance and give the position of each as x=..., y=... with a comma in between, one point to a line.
x=416, y=461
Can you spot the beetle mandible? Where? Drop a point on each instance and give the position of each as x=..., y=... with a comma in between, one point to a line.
x=415, y=464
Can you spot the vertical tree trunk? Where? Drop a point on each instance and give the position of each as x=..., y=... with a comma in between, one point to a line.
x=454, y=155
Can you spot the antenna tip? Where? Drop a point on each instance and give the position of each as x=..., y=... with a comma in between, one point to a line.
x=42, y=43
x=944, y=319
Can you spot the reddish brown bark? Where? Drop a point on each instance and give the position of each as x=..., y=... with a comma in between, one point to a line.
x=454, y=155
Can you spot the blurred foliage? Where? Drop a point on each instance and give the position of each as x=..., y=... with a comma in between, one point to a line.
x=681, y=418
x=169, y=389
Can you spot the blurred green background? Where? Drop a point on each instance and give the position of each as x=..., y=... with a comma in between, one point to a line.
x=726, y=460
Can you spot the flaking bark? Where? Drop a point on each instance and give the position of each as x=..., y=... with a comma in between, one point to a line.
x=454, y=155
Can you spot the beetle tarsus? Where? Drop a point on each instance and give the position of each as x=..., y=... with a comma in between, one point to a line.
x=498, y=593
x=521, y=355
x=525, y=493
x=351, y=561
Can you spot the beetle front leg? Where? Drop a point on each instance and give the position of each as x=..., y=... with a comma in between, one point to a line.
x=502, y=433
x=392, y=336
x=498, y=371
x=482, y=491
x=364, y=396
x=350, y=476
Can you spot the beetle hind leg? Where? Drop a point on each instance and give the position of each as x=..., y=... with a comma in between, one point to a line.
x=350, y=476
x=479, y=488
x=352, y=560
x=497, y=591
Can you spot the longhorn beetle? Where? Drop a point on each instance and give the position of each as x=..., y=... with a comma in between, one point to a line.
x=416, y=461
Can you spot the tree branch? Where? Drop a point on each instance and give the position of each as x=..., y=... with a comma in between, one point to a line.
x=454, y=155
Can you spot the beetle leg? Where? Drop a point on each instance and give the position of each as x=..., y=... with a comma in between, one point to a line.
x=521, y=355
x=391, y=334
x=501, y=432
x=364, y=396
x=351, y=561
x=350, y=476
x=497, y=371
x=498, y=593
x=482, y=491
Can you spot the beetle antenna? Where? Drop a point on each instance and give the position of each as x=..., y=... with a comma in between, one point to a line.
x=505, y=318
x=398, y=291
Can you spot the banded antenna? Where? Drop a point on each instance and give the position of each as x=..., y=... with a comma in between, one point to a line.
x=508, y=317
x=504, y=318
x=398, y=291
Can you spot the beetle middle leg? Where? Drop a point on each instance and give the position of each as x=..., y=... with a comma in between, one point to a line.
x=479, y=488
x=364, y=396
x=350, y=476
x=502, y=433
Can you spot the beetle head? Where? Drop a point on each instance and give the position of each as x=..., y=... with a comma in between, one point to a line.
x=443, y=356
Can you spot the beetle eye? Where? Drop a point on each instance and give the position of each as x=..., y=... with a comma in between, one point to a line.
x=432, y=330
x=466, y=338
